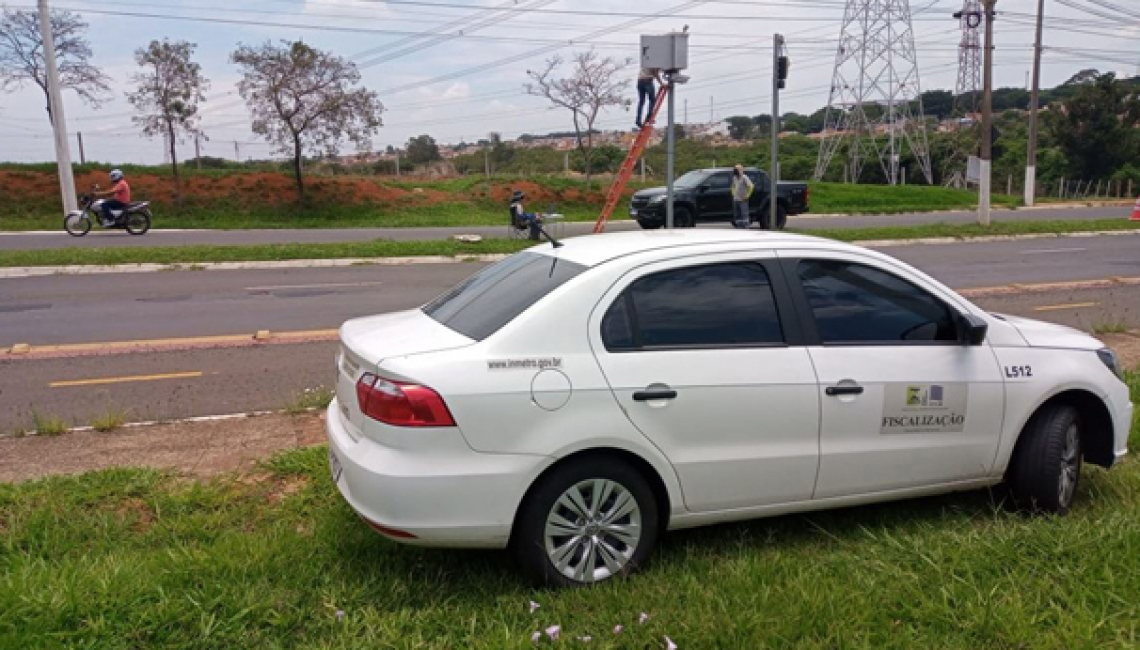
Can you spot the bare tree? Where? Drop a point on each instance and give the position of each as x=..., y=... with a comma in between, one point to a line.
x=169, y=91
x=591, y=87
x=302, y=98
x=22, y=56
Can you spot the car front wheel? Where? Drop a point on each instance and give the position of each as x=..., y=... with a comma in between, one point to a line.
x=1046, y=465
x=586, y=522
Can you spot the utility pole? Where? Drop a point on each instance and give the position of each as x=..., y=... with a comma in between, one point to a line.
x=397, y=163
x=82, y=156
x=58, y=119
x=487, y=164
x=237, y=151
x=779, y=73
x=1031, y=155
x=686, y=111
x=669, y=154
x=198, y=152
x=986, y=162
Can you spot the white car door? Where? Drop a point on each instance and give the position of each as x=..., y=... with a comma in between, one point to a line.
x=905, y=402
x=703, y=356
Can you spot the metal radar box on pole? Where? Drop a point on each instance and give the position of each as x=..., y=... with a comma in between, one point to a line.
x=668, y=52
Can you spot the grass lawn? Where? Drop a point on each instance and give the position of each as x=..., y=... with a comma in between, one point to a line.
x=139, y=558
x=387, y=248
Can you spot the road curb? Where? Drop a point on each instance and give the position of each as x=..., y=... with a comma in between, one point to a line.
x=16, y=272
x=260, y=338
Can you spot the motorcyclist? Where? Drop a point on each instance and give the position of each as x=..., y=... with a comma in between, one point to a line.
x=120, y=194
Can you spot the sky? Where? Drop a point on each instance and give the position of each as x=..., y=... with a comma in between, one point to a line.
x=455, y=69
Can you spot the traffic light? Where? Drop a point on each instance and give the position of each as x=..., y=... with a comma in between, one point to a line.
x=781, y=71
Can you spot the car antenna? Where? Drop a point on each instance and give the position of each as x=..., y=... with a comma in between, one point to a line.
x=553, y=242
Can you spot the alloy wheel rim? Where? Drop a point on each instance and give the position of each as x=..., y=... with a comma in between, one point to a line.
x=1070, y=466
x=593, y=530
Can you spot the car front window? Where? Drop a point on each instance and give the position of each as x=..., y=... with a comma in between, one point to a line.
x=483, y=303
x=855, y=303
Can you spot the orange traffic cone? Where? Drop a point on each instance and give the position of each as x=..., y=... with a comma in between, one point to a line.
x=1135, y=211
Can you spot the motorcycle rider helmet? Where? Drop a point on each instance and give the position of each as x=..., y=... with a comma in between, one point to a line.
x=116, y=175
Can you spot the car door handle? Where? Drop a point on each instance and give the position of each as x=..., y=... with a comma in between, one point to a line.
x=647, y=395
x=844, y=390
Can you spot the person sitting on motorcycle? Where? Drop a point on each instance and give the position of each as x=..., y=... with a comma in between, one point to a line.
x=524, y=218
x=120, y=194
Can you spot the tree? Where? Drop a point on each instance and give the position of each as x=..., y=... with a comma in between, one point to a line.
x=422, y=149
x=1097, y=128
x=592, y=86
x=169, y=90
x=302, y=98
x=22, y=56
x=739, y=127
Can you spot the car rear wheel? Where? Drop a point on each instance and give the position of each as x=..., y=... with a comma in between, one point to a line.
x=586, y=522
x=1046, y=464
x=649, y=225
x=683, y=217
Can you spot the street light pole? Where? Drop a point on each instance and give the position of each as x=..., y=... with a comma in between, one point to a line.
x=669, y=155
x=1031, y=155
x=58, y=120
x=774, y=167
x=986, y=162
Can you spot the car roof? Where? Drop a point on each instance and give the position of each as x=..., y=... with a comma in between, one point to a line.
x=592, y=250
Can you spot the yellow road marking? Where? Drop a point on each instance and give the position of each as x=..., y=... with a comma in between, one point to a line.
x=120, y=380
x=1071, y=305
x=159, y=343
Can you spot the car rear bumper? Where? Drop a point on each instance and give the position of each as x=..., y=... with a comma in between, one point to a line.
x=434, y=492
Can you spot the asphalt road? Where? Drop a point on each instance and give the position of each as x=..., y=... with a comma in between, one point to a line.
x=105, y=239
x=160, y=385
x=116, y=307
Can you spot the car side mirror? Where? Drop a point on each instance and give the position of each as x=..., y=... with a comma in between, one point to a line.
x=974, y=329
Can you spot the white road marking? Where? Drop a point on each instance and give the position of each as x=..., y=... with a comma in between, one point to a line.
x=313, y=286
x=1043, y=251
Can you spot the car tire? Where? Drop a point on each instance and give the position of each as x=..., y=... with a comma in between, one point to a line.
x=781, y=217
x=649, y=225
x=683, y=217
x=1046, y=464
x=593, y=548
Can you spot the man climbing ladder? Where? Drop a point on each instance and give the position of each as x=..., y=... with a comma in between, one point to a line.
x=627, y=165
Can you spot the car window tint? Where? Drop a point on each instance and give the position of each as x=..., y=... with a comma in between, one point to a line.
x=719, y=181
x=484, y=302
x=714, y=305
x=853, y=303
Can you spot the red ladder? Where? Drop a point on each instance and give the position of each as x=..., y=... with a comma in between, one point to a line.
x=626, y=169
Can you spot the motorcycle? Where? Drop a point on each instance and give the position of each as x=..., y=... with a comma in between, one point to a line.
x=135, y=218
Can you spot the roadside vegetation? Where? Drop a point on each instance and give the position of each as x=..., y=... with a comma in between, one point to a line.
x=142, y=558
x=235, y=199
x=310, y=399
x=189, y=256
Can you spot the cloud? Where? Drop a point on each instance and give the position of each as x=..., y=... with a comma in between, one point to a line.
x=457, y=90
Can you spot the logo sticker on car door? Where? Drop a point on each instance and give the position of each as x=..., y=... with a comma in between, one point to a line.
x=924, y=408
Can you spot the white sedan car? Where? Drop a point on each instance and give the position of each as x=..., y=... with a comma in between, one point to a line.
x=571, y=403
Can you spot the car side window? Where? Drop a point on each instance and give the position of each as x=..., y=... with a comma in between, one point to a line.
x=717, y=305
x=854, y=303
x=719, y=182
x=759, y=179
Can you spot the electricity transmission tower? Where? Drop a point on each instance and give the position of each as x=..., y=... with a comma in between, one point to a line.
x=875, y=105
x=967, y=91
x=969, y=60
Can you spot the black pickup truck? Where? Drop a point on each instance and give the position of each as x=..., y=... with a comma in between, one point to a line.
x=706, y=195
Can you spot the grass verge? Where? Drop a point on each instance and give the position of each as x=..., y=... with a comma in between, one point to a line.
x=309, y=399
x=141, y=558
x=47, y=424
x=385, y=248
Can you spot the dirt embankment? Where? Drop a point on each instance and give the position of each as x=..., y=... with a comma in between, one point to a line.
x=249, y=188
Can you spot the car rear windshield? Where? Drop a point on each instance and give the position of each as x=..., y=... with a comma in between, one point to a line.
x=493, y=297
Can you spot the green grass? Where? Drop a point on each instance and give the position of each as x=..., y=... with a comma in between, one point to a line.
x=140, y=558
x=878, y=199
x=309, y=399
x=190, y=255
x=1110, y=327
x=47, y=424
x=110, y=419
x=999, y=228
x=203, y=254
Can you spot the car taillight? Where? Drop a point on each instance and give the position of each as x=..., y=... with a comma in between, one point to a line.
x=400, y=404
